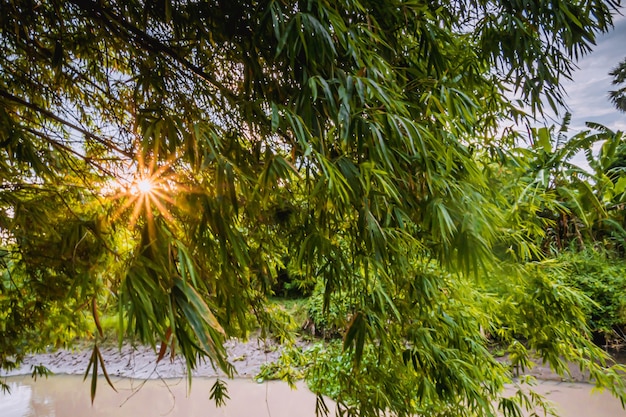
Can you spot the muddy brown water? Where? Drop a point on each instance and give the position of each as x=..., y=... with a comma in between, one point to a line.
x=66, y=395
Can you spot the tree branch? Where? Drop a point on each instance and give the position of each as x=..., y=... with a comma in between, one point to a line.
x=111, y=19
x=50, y=115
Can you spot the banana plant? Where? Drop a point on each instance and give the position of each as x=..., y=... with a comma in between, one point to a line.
x=563, y=198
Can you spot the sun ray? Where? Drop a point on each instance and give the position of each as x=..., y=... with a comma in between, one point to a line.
x=162, y=196
x=136, y=212
x=150, y=192
x=159, y=206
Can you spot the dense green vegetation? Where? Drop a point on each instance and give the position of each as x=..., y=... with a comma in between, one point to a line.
x=180, y=163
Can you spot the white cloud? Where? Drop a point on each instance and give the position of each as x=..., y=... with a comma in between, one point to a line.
x=588, y=97
x=588, y=91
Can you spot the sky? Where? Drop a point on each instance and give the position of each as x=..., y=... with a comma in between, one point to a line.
x=588, y=91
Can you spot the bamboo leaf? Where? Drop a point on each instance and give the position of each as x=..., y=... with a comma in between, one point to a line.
x=199, y=305
x=219, y=393
x=104, y=371
x=355, y=336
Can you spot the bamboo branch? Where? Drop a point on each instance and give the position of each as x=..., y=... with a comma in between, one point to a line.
x=50, y=115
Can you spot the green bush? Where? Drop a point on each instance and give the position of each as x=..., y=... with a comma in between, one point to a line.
x=290, y=284
x=328, y=320
x=603, y=280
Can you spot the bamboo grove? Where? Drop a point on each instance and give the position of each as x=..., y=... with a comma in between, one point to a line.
x=166, y=160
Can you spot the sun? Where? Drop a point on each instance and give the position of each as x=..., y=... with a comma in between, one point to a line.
x=150, y=193
x=143, y=186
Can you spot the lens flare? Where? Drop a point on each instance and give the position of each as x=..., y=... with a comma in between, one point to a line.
x=151, y=193
x=143, y=186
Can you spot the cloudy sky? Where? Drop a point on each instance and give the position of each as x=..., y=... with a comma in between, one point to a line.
x=588, y=91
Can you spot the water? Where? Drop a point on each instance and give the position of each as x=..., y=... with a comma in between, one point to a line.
x=63, y=395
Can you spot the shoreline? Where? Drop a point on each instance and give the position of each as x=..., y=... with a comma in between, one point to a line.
x=140, y=362
x=247, y=358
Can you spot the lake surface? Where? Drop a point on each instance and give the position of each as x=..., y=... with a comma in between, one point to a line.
x=65, y=395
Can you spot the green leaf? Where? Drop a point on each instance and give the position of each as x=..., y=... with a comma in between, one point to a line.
x=355, y=336
x=219, y=393
x=620, y=185
x=200, y=308
x=544, y=140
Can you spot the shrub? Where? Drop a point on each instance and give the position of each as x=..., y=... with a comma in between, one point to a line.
x=328, y=321
x=603, y=280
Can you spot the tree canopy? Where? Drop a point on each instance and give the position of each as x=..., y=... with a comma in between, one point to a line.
x=169, y=158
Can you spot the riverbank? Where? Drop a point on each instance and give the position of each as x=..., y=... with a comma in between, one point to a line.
x=247, y=358
x=140, y=362
x=143, y=386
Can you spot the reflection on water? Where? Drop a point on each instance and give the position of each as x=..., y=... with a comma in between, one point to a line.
x=62, y=395
x=18, y=403
x=68, y=396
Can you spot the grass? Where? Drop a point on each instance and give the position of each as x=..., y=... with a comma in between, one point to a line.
x=296, y=307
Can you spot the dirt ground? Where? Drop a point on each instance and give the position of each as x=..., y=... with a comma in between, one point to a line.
x=247, y=358
x=140, y=361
